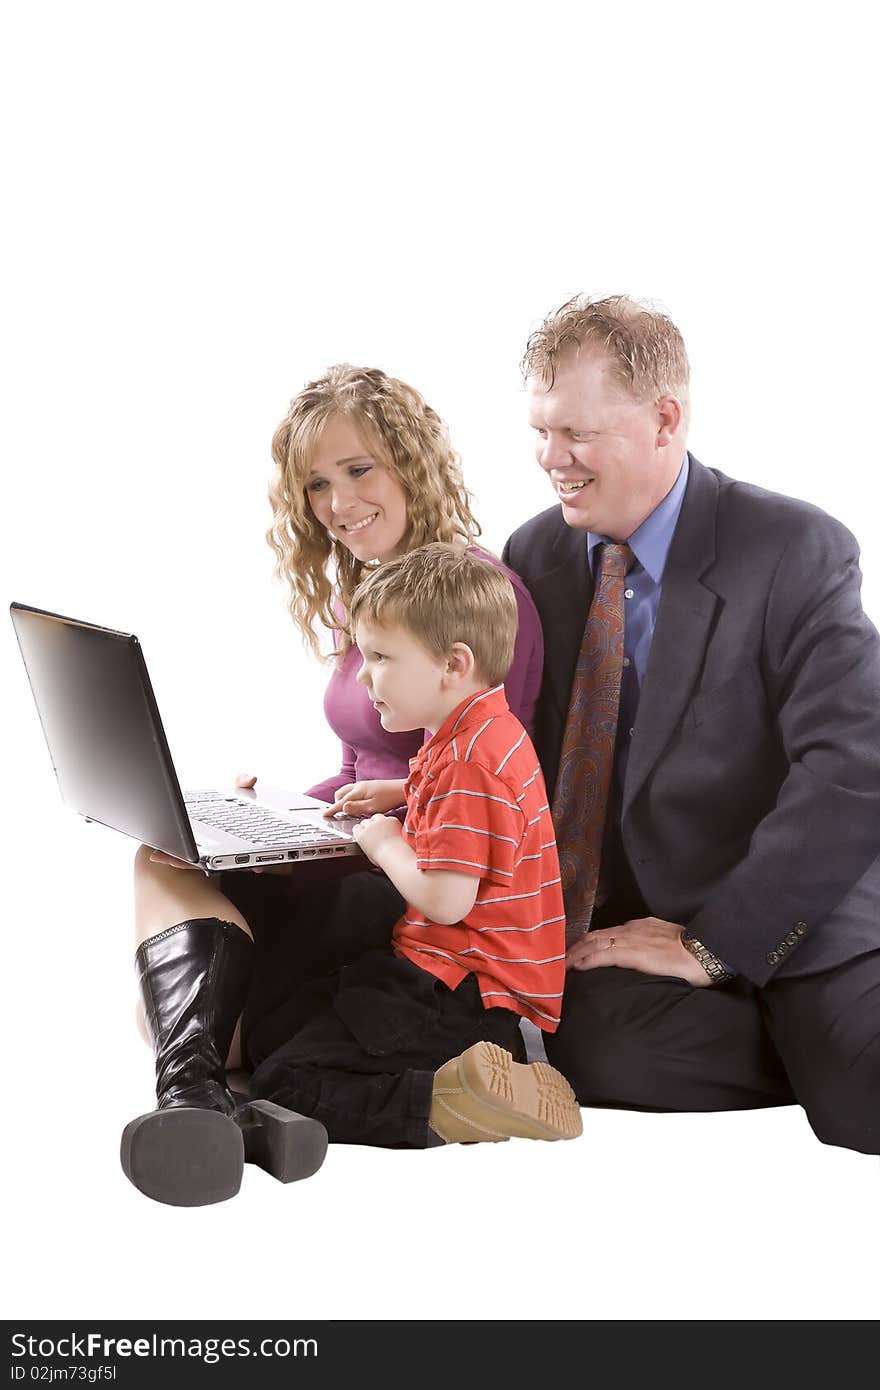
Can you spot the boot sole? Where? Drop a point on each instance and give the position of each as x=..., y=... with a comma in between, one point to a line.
x=285, y=1144
x=183, y=1156
x=523, y=1100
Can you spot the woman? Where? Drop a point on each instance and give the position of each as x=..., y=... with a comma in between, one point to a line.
x=364, y=472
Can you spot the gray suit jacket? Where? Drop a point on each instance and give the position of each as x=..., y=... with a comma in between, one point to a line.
x=751, y=809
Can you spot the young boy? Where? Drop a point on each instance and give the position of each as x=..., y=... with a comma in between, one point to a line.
x=412, y=1046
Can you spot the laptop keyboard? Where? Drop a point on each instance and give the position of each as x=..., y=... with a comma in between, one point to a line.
x=255, y=824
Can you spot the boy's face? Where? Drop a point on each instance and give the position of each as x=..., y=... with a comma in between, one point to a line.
x=404, y=680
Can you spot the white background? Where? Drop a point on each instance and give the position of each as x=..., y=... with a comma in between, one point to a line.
x=206, y=205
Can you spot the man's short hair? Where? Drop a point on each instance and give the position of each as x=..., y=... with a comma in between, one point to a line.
x=644, y=348
x=442, y=594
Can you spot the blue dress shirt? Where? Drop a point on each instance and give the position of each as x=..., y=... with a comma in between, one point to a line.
x=650, y=546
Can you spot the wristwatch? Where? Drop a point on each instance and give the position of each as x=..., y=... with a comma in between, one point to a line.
x=713, y=967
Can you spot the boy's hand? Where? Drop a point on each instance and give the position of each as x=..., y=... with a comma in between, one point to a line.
x=366, y=798
x=374, y=834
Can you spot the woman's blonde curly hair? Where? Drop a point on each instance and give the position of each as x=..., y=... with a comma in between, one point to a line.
x=409, y=439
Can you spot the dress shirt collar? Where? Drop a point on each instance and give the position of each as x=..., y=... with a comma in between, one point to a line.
x=650, y=543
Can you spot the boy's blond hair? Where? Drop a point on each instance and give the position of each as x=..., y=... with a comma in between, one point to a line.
x=442, y=594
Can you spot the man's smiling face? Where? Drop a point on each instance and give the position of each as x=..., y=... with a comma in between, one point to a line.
x=603, y=451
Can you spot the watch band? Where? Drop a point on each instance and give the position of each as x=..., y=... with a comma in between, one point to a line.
x=713, y=967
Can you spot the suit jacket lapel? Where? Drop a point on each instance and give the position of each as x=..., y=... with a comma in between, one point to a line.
x=563, y=594
x=684, y=621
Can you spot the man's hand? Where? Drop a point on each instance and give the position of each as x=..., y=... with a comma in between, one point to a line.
x=366, y=798
x=646, y=943
x=374, y=834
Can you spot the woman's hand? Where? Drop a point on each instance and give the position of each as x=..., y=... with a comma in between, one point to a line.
x=243, y=779
x=159, y=856
x=366, y=798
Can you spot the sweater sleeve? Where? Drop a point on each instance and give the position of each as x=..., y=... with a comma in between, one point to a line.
x=523, y=683
x=368, y=751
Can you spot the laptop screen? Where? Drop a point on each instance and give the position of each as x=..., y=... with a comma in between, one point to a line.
x=105, y=737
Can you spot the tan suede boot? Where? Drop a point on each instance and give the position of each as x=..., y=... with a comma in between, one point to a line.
x=485, y=1096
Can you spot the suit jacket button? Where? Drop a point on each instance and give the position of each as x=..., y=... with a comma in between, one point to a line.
x=792, y=938
x=773, y=958
x=800, y=928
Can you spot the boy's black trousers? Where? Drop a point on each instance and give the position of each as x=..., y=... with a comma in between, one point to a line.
x=364, y=1044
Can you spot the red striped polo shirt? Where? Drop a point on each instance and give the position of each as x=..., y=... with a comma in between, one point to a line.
x=477, y=804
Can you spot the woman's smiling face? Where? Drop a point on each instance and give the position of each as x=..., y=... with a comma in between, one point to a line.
x=353, y=495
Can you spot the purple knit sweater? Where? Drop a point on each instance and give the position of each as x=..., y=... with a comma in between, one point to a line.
x=368, y=751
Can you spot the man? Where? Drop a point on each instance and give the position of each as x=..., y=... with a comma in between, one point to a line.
x=736, y=892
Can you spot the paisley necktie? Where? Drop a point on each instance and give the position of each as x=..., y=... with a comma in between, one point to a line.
x=580, y=799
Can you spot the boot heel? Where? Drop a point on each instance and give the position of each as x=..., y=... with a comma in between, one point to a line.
x=184, y=1156
x=287, y=1145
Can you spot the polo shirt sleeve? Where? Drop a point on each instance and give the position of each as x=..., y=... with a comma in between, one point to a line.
x=470, y=825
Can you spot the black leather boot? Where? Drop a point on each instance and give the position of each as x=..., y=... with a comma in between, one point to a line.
x=191, y=1150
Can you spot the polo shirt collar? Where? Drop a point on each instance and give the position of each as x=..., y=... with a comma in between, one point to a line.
x=472, y=713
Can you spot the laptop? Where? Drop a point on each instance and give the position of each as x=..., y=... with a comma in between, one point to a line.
x=111, y=758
